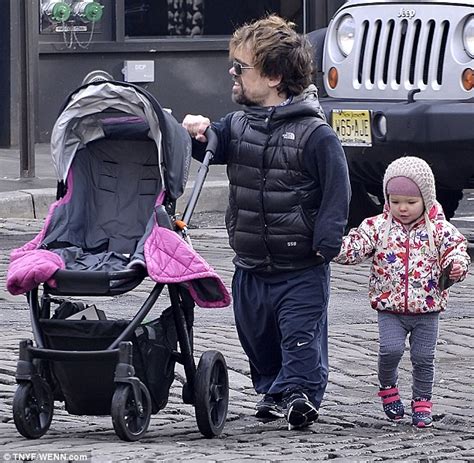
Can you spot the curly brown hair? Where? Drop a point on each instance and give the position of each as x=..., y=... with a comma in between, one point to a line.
x=279, y=51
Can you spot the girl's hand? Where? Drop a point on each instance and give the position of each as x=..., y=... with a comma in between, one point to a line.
x=456, y=272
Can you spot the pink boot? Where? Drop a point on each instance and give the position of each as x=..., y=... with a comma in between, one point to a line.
x=392, y=405
x=421, y=413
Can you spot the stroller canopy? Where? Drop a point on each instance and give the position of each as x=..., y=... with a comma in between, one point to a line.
x=82, y=121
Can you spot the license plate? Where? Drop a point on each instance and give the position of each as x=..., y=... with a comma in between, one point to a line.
x=352, y=127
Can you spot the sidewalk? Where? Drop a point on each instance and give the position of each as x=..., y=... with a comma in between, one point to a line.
x=31, y=197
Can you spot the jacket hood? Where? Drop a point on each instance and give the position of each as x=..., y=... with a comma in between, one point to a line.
x=310, y=98
x=304, y=105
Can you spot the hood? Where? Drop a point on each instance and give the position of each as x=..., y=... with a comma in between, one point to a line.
x=304, y=105
x=368, y=2
x=311, y=98
x=80, y=122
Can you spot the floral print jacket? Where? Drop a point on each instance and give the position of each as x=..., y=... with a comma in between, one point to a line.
x=404, y=276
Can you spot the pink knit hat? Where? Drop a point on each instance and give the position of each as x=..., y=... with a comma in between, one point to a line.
x=413, y=177
x=402, y=186
x=418, y=171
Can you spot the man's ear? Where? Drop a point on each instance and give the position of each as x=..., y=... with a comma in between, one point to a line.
x=274, y=82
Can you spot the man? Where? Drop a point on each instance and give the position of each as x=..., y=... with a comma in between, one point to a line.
x=288, y=205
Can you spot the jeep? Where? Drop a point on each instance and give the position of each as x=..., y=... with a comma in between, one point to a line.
x=397, y=78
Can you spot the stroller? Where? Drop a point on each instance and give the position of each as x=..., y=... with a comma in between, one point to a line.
x=122, y=162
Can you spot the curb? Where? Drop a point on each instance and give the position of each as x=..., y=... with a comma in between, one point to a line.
x=34, y=203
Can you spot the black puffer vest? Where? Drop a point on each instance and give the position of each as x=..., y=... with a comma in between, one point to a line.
x=273, y=201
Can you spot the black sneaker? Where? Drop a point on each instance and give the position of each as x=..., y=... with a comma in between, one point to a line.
x=268, y=408
x=299, y=410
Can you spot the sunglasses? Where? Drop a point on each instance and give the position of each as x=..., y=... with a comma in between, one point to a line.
x=239, y=67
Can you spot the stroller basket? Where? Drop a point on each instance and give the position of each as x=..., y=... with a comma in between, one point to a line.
x=87, y=386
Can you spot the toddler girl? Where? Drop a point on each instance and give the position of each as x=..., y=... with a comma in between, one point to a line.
x=416, y=254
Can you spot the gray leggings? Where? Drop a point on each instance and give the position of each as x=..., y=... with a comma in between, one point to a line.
x=423, y=333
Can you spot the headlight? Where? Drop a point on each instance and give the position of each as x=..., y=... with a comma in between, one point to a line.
x=346, y=34
x=468, y=36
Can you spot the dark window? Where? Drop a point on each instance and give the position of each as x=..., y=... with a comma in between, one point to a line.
x=191, y=18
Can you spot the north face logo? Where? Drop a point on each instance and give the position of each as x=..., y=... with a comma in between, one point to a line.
x=288, y=136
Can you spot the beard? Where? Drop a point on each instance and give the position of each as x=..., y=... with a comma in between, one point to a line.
x=241, y=99
x=239, y=96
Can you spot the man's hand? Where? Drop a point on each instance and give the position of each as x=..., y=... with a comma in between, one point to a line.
x=196, y=125
x=321, y=259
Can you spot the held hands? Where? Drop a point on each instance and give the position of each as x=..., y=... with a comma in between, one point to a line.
x=196, y=125
x=320, y=258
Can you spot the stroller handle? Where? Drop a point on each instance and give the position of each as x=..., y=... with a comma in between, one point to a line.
x=76, y=282
x=201, y=175
x=212, y=141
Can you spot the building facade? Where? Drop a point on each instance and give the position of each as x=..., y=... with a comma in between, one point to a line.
x=176, y=49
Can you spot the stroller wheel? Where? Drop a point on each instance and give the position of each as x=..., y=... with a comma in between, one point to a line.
x=130, y=423
x=211, y=392
x=33, y=408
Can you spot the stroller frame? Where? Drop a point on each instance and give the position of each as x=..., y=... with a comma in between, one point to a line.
x=206, y=386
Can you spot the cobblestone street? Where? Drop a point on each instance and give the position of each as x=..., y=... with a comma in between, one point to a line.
x=352, y=426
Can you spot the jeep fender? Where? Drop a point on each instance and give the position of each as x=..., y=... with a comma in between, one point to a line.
x=316, y=38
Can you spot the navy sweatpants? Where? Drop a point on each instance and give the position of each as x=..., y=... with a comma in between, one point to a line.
x=283, y=329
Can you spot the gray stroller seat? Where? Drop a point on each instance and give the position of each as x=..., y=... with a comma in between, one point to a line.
x=99, y=230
